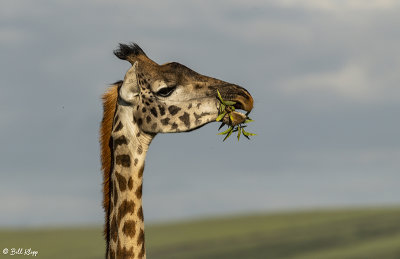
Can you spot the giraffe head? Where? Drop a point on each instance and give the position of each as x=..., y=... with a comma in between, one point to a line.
x=171, y=97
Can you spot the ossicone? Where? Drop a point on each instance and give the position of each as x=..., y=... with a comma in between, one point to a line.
x=128, y=51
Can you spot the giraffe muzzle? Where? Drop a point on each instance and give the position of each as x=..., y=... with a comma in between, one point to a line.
x=244, y=100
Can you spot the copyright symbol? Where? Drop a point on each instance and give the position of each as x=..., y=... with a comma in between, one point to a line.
x=5, y=251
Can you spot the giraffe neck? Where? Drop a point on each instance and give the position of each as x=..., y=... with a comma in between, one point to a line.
x=126, y=223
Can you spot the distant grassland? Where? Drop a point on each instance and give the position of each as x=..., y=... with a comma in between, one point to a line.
x=361, y=233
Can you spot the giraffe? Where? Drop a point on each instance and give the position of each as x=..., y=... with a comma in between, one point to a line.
x=151, y=99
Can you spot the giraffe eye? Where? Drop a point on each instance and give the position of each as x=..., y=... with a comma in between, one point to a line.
x=166, y=91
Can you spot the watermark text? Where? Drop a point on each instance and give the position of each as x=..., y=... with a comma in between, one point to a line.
x=20, y=251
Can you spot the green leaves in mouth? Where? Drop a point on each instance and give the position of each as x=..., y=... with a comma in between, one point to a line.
x=235, y=120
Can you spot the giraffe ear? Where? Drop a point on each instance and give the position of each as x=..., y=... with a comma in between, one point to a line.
x=130, y=89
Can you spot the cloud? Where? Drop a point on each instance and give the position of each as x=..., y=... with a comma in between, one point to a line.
x=341, y=5
x=28, y=210
x=12, y=36
x=350, y=81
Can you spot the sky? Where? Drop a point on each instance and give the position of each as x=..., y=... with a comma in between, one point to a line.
x=324, y=76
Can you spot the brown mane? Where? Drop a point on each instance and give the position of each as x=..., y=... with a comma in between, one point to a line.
x=109, y=104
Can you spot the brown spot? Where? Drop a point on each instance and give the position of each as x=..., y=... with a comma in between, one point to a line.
x=140, y=121
x=174, y=126
x=144, y=109
x=198, y=87
x=190, y=106
x=198, y=105
x=154, y=112
x=124, y=160
x=141, y=237
x=140, y=149
x=139, y=192
x=120, y=141
x=138, y=134
x=140, y=174
x=125, y=208
x=197, y=117
x=148, y=119
x=165, y=121
x=112, y=254
x=140, y=213
x=113, y=229
x=162, y=110
x=185, y=118
x=119, y=127
x=141, y=254
x=173, y=109
x=123, y=252
x=130, y=183
x=121, y=181
x=129, y=228
x=135, y=161
x=154, y=126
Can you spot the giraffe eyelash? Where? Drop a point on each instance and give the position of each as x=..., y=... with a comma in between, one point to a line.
x=166, y=91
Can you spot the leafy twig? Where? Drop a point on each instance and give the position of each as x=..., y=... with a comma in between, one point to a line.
x=227, y=108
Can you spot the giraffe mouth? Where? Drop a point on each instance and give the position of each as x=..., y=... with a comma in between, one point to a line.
x=234, y=118
x=243, y=104
x=237, y=113
x=242, y=98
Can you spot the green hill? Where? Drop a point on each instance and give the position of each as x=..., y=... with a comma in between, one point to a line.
x=361, y=233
